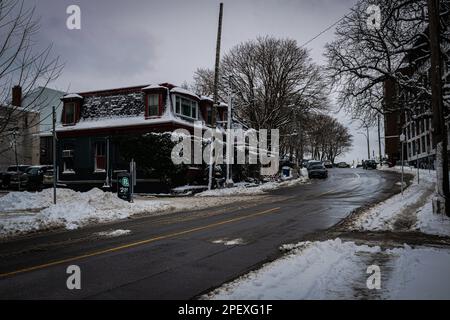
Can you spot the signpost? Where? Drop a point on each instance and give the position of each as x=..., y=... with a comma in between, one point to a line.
x=124, y=186
x=402, y=140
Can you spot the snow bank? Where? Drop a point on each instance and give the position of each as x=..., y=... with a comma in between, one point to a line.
x=73, y=210
x=313, y=270
x=384, y=215
x=252, y=189
x=430, y=223
x=338, y=270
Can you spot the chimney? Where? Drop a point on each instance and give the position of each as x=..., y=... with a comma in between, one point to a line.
x=17, y=96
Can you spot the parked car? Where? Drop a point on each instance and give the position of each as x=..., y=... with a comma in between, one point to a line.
x=312, y=163
x=343, y=165
x=370, y=164
x=317, y=170
x=359, y=165
x=12, y=173
x=328, y=164
x=34, y=176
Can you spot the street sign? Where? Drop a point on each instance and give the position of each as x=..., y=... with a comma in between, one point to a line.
x=124, y=185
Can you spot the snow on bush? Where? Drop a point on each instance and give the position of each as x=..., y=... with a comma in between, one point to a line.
x=73, y=210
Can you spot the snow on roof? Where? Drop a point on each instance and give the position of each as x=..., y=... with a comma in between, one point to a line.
x=206, y=98
x=154, y=86
x=72, y=96
x=184, y=91
x=117, y=122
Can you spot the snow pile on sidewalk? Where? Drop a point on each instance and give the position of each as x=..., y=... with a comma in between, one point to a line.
x=384, y=215
x=430, y=223
x=338, y=270
x=248, y=190
x=313, y=270
x=14, y=201
x=73, y=210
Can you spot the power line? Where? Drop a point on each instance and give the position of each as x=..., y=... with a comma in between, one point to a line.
x=324, y=30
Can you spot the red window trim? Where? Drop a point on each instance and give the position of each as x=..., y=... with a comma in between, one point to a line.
x=160, y=105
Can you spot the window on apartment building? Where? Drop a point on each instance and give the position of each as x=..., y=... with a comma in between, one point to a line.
x=100, y=156
x=153, y=105
x=424, y=148
x=209, y=115
x=186, y=107
x=418, y=146
x=413, y=148
x=428, y=143
x=69, y=113
x=68, y=158
x=409, y=150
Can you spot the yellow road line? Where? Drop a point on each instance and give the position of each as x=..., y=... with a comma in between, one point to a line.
x=134, y=244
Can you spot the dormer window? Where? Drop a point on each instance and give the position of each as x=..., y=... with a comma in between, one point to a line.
x=153, y=105
x=186, y=107
x=69, y=113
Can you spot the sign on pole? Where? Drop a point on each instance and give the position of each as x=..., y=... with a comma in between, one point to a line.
x=124, y=185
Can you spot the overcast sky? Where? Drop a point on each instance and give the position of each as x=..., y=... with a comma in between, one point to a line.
x=125, y=43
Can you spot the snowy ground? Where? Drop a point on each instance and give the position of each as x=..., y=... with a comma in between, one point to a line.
x=336, y=269
x=25, y=212
x=411, y=211
x=247, y=190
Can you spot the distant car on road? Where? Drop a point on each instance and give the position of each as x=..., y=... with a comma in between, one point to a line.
x=343, y=165
x=317, y=170
x=328, y=164
x=370, y=164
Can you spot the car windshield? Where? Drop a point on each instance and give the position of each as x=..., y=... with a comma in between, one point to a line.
x=32, y=171
x=317, y=166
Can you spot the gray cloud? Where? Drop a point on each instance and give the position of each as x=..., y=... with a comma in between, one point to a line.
x=132, y=42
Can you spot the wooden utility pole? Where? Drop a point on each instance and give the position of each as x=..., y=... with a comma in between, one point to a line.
x=217, y=67
x=441, y=200
x=216, y=96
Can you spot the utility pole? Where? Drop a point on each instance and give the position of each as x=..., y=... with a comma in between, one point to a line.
x=216, y=96
x=55, y=169
x=441, y=199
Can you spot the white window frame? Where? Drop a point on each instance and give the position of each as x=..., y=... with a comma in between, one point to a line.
x=96, y=143
x=193, y=106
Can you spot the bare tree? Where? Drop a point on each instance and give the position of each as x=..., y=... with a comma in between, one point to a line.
x=272, y=81
x=327, y=139
x=362, y=59
x=22, y=61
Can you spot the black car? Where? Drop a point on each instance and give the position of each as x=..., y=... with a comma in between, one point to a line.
x=370, y=164
x=12, y=174
x=317, y=170
x=34, y=176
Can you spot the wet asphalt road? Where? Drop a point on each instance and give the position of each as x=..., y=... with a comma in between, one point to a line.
x=174, y=256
